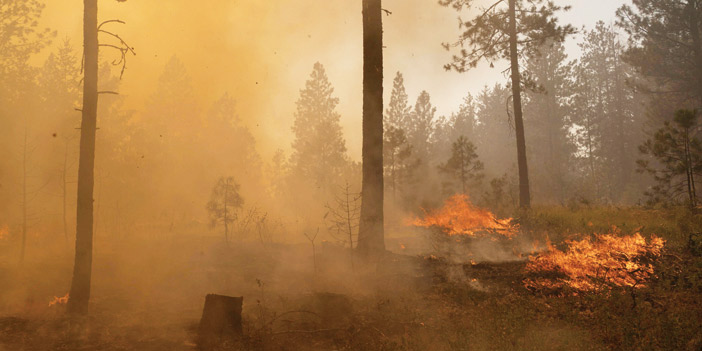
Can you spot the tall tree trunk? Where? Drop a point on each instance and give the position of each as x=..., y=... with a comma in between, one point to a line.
x=371, y=239
x=24, y=193
x=524, y=195
x=65, y=195
x=690, y=171
x=82, y=269
x=694, y=25
x=226, y=214
x=349, y=218
x=65, y=191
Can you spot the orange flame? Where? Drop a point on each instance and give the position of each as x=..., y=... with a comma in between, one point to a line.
x=59, y=300
x=594, y=265
x=459, y=216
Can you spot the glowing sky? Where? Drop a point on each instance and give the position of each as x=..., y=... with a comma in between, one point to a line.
x=262, y=52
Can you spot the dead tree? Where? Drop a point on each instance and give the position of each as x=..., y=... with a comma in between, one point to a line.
x=311, y=239
x=343, y=215
x=82, y=269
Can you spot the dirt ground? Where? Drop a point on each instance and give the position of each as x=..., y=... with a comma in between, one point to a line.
x=151, y=298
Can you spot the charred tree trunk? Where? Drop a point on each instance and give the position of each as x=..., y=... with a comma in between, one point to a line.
x=524, y=194
x=371, y=239
x=82, y=269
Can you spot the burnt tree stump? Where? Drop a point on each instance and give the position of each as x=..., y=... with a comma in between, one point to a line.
x=221, y=321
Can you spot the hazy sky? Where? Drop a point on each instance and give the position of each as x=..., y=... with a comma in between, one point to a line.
x=262, y=52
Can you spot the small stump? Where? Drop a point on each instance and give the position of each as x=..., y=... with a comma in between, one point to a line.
x=221, y=321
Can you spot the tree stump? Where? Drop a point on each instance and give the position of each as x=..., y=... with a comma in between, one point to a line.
x=221, y=321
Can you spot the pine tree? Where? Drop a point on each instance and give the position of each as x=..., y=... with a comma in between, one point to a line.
x=224, y=203
x=463, y=122
x=608, y=113
x=463, y=167
x=20, y=38
x=494, y=133
x=398, y=111
x=397, y=152
x=399, y=161
x=665, y=39
x=507, y=29
x=319, y=149
x=547, y=113
x=225, y=134
x=677, y=148
x=421, y=126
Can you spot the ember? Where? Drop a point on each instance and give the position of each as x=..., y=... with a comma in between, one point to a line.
x=59, y=300
x=459, y=216
x=594, y=265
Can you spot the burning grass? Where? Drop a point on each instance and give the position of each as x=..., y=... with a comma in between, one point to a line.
x=59, y=300
x=459, y=216
x=601, y=263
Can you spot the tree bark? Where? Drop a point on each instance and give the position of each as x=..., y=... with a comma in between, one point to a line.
x=82, y=269
x=65, y=195
x=371, y=240
x=24, y=193
x=524, y=195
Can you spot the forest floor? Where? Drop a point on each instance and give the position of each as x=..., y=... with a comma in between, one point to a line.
x=148, y=295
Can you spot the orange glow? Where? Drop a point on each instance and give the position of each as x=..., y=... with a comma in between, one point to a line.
x=604, y=262
x=4, y=232
x=459, y=216
x=59, y=300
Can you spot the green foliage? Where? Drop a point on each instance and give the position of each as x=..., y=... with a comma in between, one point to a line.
x=463, y=167
x=486, y=36
x=398, y=156
x=398, y=110
x=677, y=151
x=673, y=224
x=399, y=164
x=608, y=114
x=499, y=196
x=547, y=109
x=665, y=46
x=495, y=125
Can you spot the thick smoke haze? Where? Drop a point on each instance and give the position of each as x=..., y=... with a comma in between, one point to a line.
x=261, y=52
x=545, y=199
